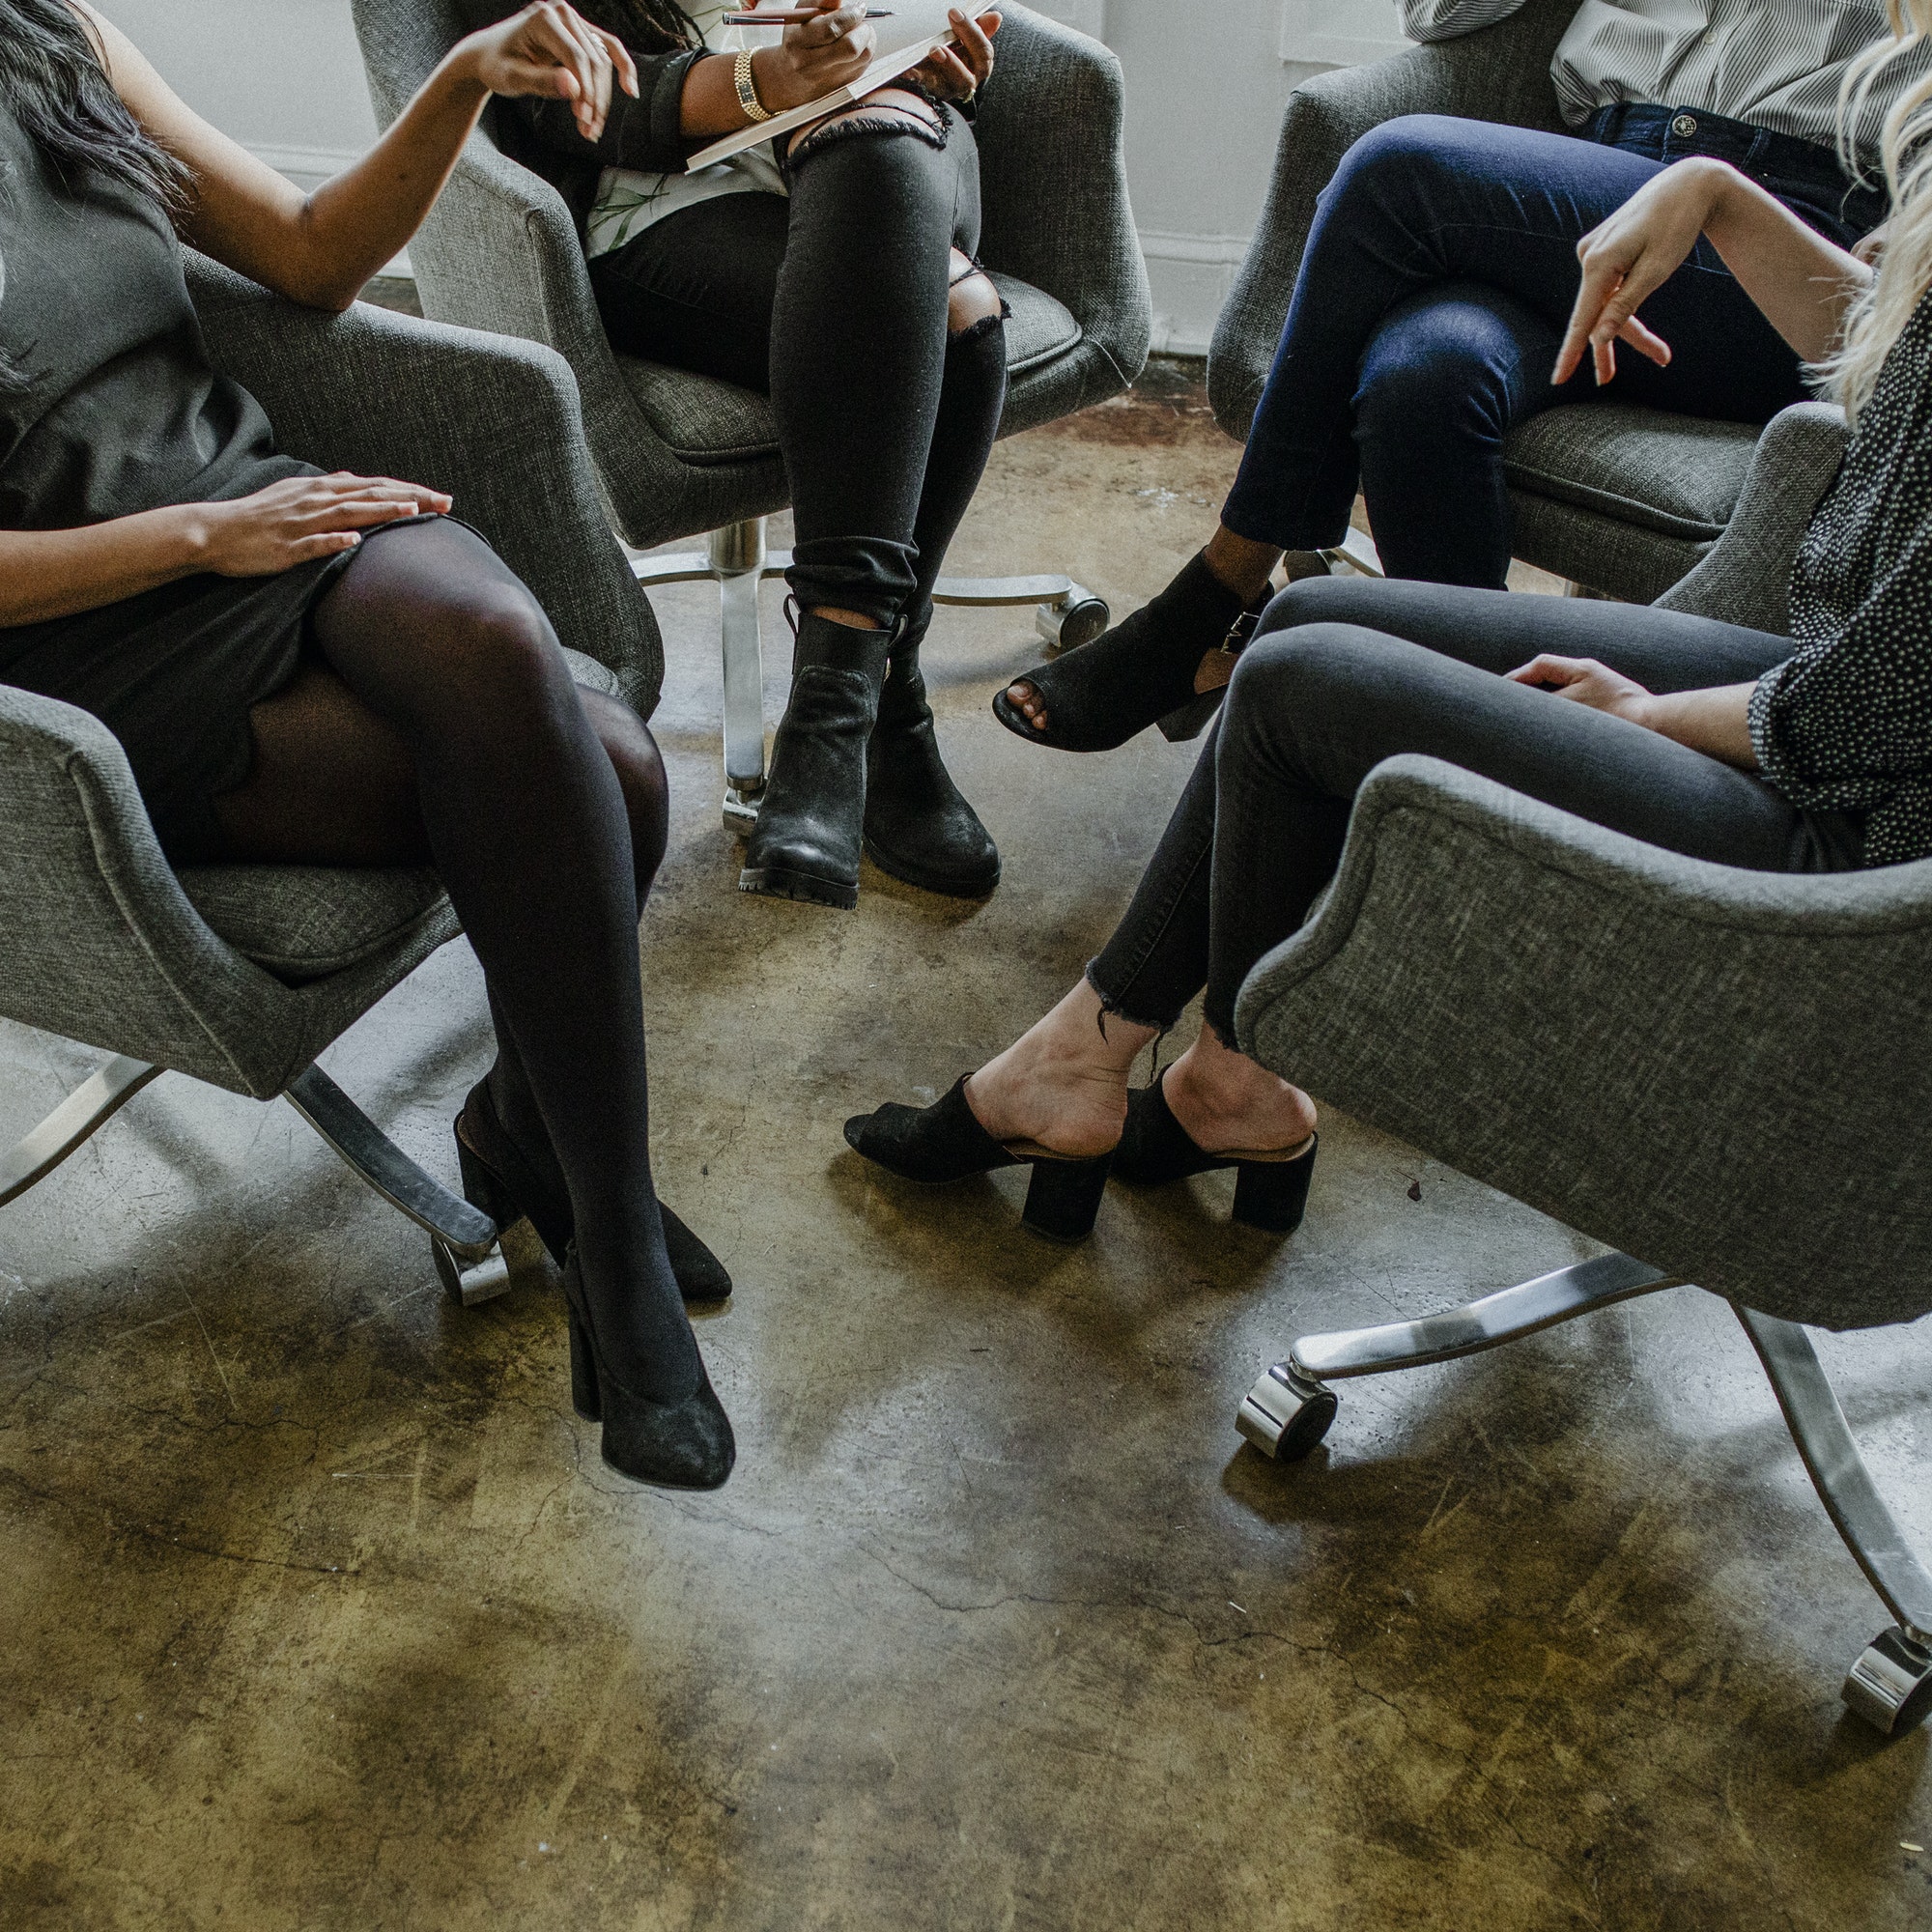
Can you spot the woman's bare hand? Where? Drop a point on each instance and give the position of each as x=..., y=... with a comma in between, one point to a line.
x=1630, y=257
x=958, y=71
x=299, y=520
x=1588, y=681
x=816, y=58
x=551, y=52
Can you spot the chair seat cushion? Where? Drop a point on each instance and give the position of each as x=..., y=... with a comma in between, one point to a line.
x=1680, y=476
x=303, y=922
x=706, y=421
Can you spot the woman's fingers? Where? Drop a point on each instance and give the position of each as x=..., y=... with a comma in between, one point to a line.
x=620, y=60
x=1547, y=669
x=1646, y=341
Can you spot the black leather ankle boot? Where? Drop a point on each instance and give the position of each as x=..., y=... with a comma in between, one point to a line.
x=919, y=826
x=810, y=824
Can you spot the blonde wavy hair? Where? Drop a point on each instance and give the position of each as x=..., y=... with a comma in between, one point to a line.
x=1881, y=313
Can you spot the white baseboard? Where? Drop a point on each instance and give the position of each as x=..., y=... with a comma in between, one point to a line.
x=1190, y=276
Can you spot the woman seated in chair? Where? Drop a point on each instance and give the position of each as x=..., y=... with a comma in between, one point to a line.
x=1794, y=754
x=1431, y=299
x=836, y=275
x=327, y=669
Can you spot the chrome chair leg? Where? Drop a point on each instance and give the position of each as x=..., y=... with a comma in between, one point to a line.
x=461, y=1237
x=73, y=1123
x=1290, y=1409
x=1891, y=1685
x=1067, y=615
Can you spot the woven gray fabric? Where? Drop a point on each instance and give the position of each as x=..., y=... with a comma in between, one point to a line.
x=495, y=422
x=500, y=252
x=241, y=975
x=1678, y=475
x=1625, y=501
x=1715, y=1070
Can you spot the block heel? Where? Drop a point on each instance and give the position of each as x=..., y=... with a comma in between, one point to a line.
x=1272, y=1195
x=945, y=1143
x=584, y=1396
x=1063, y=1197
x=1271, y=1188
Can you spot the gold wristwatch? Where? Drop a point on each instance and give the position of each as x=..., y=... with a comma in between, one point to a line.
x=747, y=88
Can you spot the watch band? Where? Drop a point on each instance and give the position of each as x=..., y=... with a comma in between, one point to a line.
x=747, y=88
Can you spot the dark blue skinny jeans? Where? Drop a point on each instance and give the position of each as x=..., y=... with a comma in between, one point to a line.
x=1432, y=300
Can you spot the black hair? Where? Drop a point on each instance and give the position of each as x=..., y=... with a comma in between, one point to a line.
x=646, y=26
x=52, y=78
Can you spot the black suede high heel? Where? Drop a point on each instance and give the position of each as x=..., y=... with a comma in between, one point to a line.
x=682, y=1445
x=1141, y=672
x=1271, y=1193
x=945, y=1143
x=497, y=1179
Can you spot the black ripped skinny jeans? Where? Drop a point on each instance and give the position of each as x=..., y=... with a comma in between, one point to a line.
x=1345, y=674
x=833, y=302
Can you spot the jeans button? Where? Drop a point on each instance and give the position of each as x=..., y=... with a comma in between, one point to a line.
x=1684, y=126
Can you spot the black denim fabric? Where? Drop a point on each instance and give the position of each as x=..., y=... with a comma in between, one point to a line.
x=833, y=302
x=1346, y=673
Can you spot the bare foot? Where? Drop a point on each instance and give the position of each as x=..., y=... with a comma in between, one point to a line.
x=1063, y=1082
x=1231, y=1104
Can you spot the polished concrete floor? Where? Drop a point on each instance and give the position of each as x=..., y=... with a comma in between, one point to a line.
x=320, y=1612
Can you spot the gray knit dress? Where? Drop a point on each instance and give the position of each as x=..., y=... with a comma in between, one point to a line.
x=110, y=405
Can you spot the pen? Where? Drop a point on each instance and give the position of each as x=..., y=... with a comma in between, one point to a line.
x=795, y=17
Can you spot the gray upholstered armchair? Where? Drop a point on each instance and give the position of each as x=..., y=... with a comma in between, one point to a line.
x=1720, y=1072
x=1617, y=499
x=680, y=455
x=241, y=975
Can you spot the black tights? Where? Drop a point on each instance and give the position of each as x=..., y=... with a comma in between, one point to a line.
x=438, y=721
x=886, y=378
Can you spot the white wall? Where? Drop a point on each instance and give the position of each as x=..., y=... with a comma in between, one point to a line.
x=1207, y=83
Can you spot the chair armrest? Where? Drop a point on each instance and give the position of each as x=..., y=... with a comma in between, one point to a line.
x=1053, y=202
x=101, y=944
x=1498, y=73
x=494, y=421
x=1718, y=1071
x=1746, y=577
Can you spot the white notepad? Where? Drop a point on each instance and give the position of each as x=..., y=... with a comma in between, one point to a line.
x=915, y=29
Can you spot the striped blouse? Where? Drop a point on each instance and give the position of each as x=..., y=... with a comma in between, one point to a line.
x=1778, y=64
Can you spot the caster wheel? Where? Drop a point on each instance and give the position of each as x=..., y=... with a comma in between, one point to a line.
x=1891, y=1686
x=471, y=1282
x=1077, y=621
x=1286, y=1414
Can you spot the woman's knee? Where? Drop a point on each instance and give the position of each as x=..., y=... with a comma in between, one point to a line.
x=1396, y=161
x=889, y=115
x=971, y=298
x=640, y=770
x=1299, y=672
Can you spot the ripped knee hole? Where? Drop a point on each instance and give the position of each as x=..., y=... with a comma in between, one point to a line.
x=870, y=117
x=971, y=301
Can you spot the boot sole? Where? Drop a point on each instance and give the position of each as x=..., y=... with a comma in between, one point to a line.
x=776, y=882
x=949, y=888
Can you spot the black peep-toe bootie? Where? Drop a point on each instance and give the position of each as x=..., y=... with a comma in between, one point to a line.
x=1141, y=672
x=681, y=1445
x=944, y=1142
x=810, y=827
x=919, y=826
x=506, y=1185
x=1271, y=1189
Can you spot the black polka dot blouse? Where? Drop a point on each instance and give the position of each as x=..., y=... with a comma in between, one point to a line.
x=1845, y=725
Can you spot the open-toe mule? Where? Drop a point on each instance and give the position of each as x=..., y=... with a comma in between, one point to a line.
x=945, y=1143
x=1272, y=1186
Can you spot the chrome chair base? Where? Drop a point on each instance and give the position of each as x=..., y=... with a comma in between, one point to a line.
x=737, y=558
x=463, y=1239
x=1291, y=1408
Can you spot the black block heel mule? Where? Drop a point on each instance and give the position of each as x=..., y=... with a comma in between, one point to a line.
x=678, y=1445
x=499, y=1180
x=945, y=1143
x=1271, y=1188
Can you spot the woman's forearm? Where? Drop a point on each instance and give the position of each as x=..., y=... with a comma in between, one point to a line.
x=1714, y=722
x=709, y=106
x=47, y=574
x=1804, y=283
x=356, y=223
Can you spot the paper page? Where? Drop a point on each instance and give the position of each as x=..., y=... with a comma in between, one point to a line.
x=915, y=29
